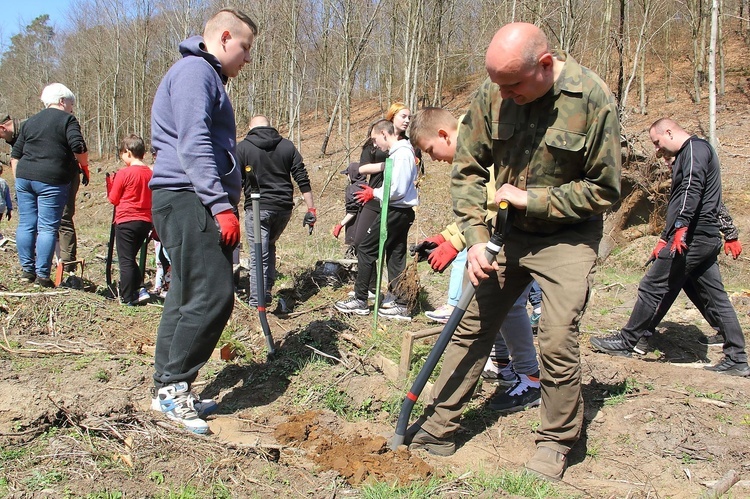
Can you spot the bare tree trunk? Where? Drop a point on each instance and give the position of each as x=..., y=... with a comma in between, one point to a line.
x=347, y=74
x=642, y=82
x=722, y=83
x=668, y=62
x=620, y=49
x=712, y=74
x=636, y=58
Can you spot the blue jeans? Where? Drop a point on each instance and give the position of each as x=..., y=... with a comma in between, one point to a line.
x=535, y=295
x=455, y=285
x=272, y=224
x=40, y=208
x=515, y=339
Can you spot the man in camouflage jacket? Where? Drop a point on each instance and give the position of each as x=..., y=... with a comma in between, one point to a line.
x=9, y=128
x=549, y=128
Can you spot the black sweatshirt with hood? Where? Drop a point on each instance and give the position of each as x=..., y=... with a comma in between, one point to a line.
x=275, y=162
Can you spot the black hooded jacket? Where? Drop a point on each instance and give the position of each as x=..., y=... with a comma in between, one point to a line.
x=275, y=162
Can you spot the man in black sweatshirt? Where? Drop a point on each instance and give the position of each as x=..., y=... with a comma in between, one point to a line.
x=275, y=161
x=687, y=248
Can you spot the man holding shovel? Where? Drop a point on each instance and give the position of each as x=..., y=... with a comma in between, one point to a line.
x=549, y=127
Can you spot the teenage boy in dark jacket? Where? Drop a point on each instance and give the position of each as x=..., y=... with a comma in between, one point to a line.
x=275, y=161
x=196, y=188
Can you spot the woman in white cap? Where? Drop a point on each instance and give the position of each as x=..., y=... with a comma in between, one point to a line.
x=49, y=151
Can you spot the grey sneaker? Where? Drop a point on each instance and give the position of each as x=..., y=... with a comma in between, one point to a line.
x=178, y=405
x=397, y=312
x=437, y=446
x=143, y=296
x=204, y=407
x=613, y=345
x=352, y=306
x=547, y=463
x=389, y=301
x=730, y=367
x=524, y=394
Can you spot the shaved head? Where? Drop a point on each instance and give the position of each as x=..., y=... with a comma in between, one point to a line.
x=663, y=124
x=228, y=19
x=516, y=46
x=519, y=61
x=259, y=120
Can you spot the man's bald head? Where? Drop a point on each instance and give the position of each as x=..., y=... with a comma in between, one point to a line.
x=515, y=46
x=259, y=120
x=520, y=62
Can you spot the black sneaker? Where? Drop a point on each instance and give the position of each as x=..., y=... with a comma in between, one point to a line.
x=28, y=277
x=352, y=306
x=715, y=340
x=730, y=367
x=437, y=446
x=524, y=394
x=642, y=347
x=44, y=282
x=612, y=345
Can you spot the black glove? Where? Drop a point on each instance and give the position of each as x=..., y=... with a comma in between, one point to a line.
x=310, y=219
x=424, y=248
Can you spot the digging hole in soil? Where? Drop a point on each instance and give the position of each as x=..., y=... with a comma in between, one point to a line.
x=356, y=459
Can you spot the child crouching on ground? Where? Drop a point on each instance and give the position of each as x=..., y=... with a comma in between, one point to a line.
x=131, y=196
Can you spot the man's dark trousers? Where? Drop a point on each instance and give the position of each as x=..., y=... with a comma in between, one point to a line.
x=669, y=272
x=201, y=294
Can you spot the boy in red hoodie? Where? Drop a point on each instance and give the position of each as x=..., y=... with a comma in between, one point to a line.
x=129, y=192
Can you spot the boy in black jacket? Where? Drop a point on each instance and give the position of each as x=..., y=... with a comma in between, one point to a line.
x=275, y=162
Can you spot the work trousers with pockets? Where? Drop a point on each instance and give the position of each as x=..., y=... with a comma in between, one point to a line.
x=398, y=223
x=562, y=264
x=201, y=294
x=67, y=232
x=669, y=273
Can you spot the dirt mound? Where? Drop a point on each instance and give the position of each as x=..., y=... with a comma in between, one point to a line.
x=357, y=458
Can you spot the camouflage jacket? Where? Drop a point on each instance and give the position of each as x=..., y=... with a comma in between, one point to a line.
x=5, y=155
x=726, y=224
x=563, y=149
